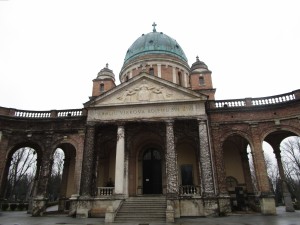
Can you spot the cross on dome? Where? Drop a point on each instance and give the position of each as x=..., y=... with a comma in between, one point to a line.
x=154, y=25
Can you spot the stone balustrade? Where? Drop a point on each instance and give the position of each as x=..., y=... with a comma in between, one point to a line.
x=105, y=191
x=254, y=102
x=189, y=190
x=42, y=114
x=212, y=104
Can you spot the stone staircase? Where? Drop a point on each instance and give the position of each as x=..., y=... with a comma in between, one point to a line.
x=142, y=209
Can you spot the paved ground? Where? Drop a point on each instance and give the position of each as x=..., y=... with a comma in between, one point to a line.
x=282, y=218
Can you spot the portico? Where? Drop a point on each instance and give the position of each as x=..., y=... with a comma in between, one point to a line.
x=138, y=142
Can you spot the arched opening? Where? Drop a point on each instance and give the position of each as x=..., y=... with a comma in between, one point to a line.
x=290, y=157
x=152, y=171
x=285, y=175
x=238, y=175
x=55, y=179
x=61, y=183
x=21, y=175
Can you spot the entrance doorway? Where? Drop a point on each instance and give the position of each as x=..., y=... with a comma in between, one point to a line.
x=152, y=177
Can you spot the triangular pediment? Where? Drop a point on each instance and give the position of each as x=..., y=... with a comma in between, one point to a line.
x=145, y=89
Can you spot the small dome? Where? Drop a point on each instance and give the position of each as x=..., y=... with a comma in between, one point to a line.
x=106, y=73
x=154, y=43
x=199, y=65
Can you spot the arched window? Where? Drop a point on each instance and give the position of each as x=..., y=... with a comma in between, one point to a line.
x=231, y=182
x=151, y=71
x=101, y=87
x=201, y=81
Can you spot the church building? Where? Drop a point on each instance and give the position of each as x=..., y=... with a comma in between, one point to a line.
x=156, y=147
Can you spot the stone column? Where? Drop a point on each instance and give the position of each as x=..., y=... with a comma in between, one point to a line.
x=267, y=201
x=40, y=199
x=171, y=161
x=78, y=163
x=171, y=174
x=88, y=162
x=120, y=161
x=4, y=165
x=174, y=77
x=247, y=172
x=286, y=194
x=159, y=70
x=205, y=160
x=219, y=160
x=64, y=185
x=83, y=203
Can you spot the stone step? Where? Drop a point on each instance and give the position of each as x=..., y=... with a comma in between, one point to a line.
x=141, y=221
x=145, y=214
x=145, y=206
x=131, y=209
x=142, y=209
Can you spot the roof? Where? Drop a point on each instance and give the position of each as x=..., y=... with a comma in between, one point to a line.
x=154, y=43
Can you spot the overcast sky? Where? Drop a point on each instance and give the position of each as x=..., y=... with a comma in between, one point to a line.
x=50, y=51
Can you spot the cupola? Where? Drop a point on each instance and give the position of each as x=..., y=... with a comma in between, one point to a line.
x=200, y=79
x=105, y=81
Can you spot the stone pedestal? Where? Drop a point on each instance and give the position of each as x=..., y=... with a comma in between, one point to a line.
x=170, y=217
x=83, y=207
x=211, y=207
x=39, y=206
x=109, y=215
x=224, y=205
x=267, y=206
x=73, y=205
x=288, y=202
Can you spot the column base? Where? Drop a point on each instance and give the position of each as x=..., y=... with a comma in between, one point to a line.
x=288, y=202
x=83, y=206
x=39, y=206
x=267, y=205
x=73, y=205
x=224, y=204
x=170, y=214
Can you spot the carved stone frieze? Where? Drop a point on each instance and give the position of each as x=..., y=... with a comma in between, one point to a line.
x=145, y=92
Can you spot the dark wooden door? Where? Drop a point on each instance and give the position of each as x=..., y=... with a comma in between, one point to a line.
x=152, y=177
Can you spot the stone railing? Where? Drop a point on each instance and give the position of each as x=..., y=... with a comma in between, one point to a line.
x=189, y=190
x=42, y=114
x=105, y=191
x=250, y=102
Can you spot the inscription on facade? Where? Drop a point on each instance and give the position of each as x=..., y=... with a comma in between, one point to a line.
x=140, y=112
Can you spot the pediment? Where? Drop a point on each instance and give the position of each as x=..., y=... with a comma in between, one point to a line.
x=145, y=89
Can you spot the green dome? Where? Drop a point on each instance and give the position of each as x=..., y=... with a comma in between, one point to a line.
x=154, y=43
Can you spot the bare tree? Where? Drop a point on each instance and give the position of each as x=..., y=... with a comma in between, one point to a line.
x=290, y=149
x=56, y=175
x=22, y=170
x=272, y=170
x=58, y=162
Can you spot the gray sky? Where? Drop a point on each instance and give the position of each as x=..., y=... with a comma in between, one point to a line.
x=51, y=50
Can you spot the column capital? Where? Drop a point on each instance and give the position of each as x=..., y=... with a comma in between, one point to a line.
x=121, y=132
x=121, y=123
x=90, y=125
x=202, y=118
x=169, y=121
